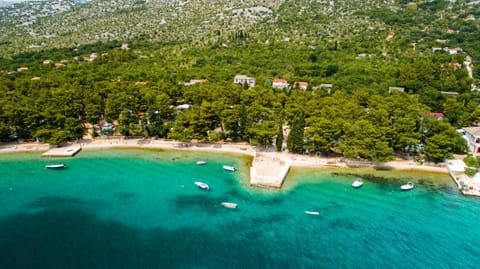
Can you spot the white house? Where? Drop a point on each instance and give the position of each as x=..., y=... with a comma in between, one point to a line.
x=472, y=135
x=452, y=51
x=242, y=79
x=280, y=84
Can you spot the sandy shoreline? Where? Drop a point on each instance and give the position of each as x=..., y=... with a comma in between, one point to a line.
x=231, y=148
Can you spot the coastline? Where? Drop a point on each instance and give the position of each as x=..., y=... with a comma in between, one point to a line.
x=230, y=148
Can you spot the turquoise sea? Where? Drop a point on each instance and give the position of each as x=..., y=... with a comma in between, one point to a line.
x=132, y=208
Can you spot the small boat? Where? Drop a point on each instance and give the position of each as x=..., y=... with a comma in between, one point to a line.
x=55, y=166
x=202, y=185
x=312, y=212
x=357, y=183
x=202, y=162
x=229, y=205
x=408, y=186
x=229, y=168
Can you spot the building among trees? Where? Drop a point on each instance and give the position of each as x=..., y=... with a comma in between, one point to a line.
x=242, y=80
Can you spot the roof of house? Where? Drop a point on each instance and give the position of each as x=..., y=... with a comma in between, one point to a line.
x=436, y=114
x=450, y=93
x=242, y=77
x=279, y=81
x=475, y=131
x=195, y=81
x=459, y=65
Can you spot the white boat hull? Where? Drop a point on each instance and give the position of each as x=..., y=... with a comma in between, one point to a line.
x=407, y=187
x=357, y=184
x=312, y=212
x=202, y=185
x=55, y=166
x=229, y=168
x=229, y=205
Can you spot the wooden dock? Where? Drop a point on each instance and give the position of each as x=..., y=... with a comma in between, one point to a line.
x=269, y=171
x=69, y=151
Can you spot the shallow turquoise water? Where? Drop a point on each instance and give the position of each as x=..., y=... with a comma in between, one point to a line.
x=140, y=209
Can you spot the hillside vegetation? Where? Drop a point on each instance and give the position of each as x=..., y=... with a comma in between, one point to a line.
x=373, y=69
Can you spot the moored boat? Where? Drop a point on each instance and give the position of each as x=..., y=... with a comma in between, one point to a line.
x=55, y=166
x=229, y=168
x=229, y=205
x=312, y=212
x=357, y=183
x=408, y=186
x=202, y=162
x=202, y=185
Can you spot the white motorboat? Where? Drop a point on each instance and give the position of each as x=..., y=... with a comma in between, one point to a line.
x=312, y=212
x=408, y=186
x=357, y=183
x=202, y=162
x=229, y=205
x=202, y=185
x=55, y=166
x=229, y=168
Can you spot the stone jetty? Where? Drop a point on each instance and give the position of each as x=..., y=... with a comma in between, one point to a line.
x=269, y=170
x=63, y=151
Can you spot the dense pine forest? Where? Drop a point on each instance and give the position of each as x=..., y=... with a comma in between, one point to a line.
x=369, y=95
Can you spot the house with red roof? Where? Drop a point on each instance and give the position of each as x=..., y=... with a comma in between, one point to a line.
x=301, y=85
x=280, y=84
x=438, y=115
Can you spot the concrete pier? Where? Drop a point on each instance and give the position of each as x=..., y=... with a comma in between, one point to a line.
x=269, y=170
x=466, y=185
x=63, y=151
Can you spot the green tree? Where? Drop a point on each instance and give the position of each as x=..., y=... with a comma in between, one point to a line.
x=155, y=126
x=262, y=133
x=382, y=152
x=295, y=139
x=74, y=128
x=438, y=147
x=279, y=139
x=124, y=123
x=5, y=133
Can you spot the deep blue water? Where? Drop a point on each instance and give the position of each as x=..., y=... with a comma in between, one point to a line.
x=140, y=209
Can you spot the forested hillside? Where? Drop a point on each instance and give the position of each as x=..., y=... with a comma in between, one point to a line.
x=374, y=71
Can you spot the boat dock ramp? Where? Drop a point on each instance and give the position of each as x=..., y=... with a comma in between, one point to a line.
x=268, y=170
x=69, y=151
